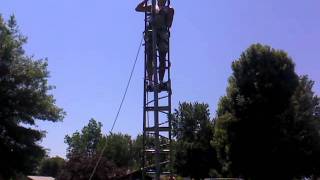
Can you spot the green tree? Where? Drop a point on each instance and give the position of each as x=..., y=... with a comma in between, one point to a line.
x=192, y=128
x=79, y=167
x=118, y=150
x=24, y=98
x=85, y=147
x=83, y=152
x=267, y=125
x=137, y=151
x=86, y=142
x=51, y=166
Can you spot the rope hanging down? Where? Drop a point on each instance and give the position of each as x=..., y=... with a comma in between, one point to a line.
x=119, y=109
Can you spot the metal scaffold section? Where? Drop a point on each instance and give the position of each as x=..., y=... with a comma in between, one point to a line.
x=157, y=154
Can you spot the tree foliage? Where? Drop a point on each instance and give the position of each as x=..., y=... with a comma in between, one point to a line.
x=24, y=98
x=118, y=149
x=86, y=142
x=51, y=166
x=137, y=151
x=83, y=152
x=85, y=147
x=80, y=167
x=192, y=128
x=267, y=125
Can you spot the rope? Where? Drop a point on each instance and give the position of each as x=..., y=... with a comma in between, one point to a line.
x=119, y=109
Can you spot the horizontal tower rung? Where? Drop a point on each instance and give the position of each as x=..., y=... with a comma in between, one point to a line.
x=152, y=133
x=161, y=145
x=161, y=151
x=159, y=128
x=162, y=173
x=153, y=165
x=160, y=108
x=158, y=68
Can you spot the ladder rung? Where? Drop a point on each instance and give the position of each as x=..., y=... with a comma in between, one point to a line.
x=161, y=145
x=158, y=68
x=162, y=173
x=153, y=165
x=161, y=151
x=160, y=108
x=159, y=128
x=152, y=133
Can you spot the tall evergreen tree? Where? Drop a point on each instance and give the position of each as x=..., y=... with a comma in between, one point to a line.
x=24, y=99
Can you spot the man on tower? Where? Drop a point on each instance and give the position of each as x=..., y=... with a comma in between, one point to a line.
x=162, y=22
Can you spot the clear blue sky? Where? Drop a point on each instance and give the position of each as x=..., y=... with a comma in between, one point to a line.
x=91, y=45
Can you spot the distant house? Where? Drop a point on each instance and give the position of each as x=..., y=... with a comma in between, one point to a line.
x=39, y=178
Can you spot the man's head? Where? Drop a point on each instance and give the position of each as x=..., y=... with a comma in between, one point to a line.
x=162, y=3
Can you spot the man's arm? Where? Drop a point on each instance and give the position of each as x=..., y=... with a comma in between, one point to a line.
x=170, y=17
x=142, y=7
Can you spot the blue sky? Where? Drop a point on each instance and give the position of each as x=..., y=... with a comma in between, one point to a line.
x=91, y=47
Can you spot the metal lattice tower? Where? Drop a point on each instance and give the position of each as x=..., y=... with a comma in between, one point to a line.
x=157, y=154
